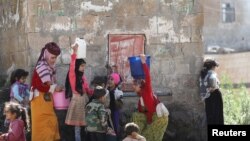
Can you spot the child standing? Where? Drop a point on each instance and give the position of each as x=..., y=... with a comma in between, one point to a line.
x=77, y=89
x=115, y=101
x=17, y=116
x=132, y=133
x=19, y=90
x=96, y=116
x=101, y=81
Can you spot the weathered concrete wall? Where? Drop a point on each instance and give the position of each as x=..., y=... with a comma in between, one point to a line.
x=13, y=37
x=172, y=28
x=230, y=35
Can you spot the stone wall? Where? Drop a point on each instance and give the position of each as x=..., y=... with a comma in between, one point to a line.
x=172, y=28
x=13, y=38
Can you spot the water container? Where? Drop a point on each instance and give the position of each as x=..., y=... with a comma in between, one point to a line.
x=60, y=102
x=136, y=67
x=81, y=52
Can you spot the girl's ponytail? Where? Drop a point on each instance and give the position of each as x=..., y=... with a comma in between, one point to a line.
x=24, y=117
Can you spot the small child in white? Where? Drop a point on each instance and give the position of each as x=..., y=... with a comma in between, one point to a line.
x=132, y=130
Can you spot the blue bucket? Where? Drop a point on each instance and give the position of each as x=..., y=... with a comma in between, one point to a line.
x=136, y=67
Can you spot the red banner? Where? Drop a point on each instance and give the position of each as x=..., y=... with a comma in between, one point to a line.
x=122, y=46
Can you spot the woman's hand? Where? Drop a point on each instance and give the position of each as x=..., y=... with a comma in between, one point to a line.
x=143, y=58
x=1, y=137
x=75, y=48
x=59, y=88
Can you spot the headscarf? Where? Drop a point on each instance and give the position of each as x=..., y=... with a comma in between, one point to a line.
x=116, y=78
x=45, y=70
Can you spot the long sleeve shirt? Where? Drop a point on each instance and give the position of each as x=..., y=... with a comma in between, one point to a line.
x=19, y=91
x=147, y=100
x=16, y=131
x=38, y=84
x=96, y=117
x=72, y=78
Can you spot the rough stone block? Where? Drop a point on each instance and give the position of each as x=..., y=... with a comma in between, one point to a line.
x=96, y=56
x=33, y=57
x=66, y=57
x=98, y=41
x=199, y=5
x=38, y=7
x=192, y=49
x=61, y=23
x=22, y=43
x=193, y=20
x=33, y=24
x=12, y=44
x=97, y=7
x=154, y=40
x=182, y=69
x=198, y=65
x=149, y=7
x=196, y=34
x=57, y=5
x=99, y=2
x=189, y=81
x=36, y=41
x=109, y=23
x=21, y=59
x=64, y=41
x=6, y=62
x=136, y=23
x=127, y=8
x=88, y=22
x=185, y=34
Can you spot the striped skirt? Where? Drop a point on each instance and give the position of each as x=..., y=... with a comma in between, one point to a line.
x=76, y=111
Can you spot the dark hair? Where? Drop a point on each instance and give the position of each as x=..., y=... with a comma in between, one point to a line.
x=79, y=80
x=99, y=81
x=20, y=111
x=140, y=82
x=130, y=128
x=79, y=75
x=99, y=92
x=17, y=75
x=208, y=65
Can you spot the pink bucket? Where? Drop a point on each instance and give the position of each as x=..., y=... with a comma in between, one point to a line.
x=60, y=102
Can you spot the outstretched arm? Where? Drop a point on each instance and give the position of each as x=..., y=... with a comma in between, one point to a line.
x=72, y=75
x=147, y=74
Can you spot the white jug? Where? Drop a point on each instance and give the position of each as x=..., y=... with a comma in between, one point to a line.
x=81, y=52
